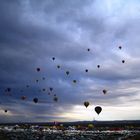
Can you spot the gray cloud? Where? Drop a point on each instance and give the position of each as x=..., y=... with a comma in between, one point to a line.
x=32, y=32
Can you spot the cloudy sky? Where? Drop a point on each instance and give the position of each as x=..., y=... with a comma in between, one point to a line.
x=34, y=31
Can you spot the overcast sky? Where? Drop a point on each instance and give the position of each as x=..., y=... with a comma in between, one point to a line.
x=34, y=31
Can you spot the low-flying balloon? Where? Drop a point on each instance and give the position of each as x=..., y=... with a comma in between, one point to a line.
x=98, y=109
x=86, y=70
x=74, y=81
x=86, y=104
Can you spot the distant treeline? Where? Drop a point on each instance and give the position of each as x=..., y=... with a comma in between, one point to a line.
x=135, y=123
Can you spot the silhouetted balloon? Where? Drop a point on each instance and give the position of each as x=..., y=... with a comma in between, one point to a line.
x=55, y=99
x=53, y=58
x=88, y=49
x=74, y=81
x=54, y=94
x=37, y=81
x=67, y=72
x=98, y=109
x=104, y=91
x=43, y=78
x=58, y=66
x=35, y=100
x=43, y=89
x=51, y=89
x=8, y=89
x=5, y=111
x=98, y=66
x=123, y=61
x=49, y=93
x=38, y=69
x=86, y=104
x=86, y=70
x=27, y=86
x=23, y=97
x=120, y=47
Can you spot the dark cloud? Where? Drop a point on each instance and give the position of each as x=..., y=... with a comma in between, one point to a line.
x=32, y=32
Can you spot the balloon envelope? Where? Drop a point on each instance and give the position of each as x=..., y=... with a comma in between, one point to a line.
x=23, y=97
x=104, y=91
x=58, y=66
x=98, y=66
x=53, y=58
x=123, y=61
x=98, y=109
x=86, y=104
x=120, y=47
x=67, y=72
x=38, y=69
x=35, y=100
x=55, y=99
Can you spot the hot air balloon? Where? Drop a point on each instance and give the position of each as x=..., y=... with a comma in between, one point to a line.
x=43, y=89
x=35, y=100
x=86, y=104
x=38, y=69
x=98, y=109
x=53, y=58
x=37, y=81
x=27, y=86
x=86, y=70
x=98, y=66
x=58, y=66
x=123, y=61
x=8, y=89
x=74, y=81
x=67, y=72
x=51, y=89
x=55, y=99
x=5, y=111
x=88, y=49
x=43, y=78
x=23, y=97
x=104, y=91
x=120, y=47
